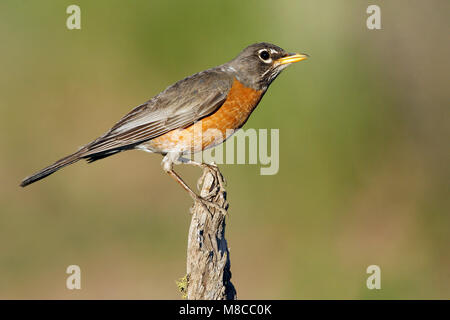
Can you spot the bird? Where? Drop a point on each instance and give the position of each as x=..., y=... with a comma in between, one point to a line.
x=194, y=114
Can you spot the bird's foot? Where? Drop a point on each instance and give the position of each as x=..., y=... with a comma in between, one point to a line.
x=206, y=203
x=217, y=175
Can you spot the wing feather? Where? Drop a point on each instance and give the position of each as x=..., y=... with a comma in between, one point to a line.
x=179, y=106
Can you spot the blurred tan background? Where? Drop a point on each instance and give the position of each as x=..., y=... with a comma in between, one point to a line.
x=364, y=155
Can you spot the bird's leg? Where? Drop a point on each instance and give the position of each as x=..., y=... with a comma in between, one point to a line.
x=211, y=168
x=167, y=164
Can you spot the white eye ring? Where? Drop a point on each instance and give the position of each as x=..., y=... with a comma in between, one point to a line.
x=267, y=60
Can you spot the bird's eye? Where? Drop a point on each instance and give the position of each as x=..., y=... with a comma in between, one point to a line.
x=264, y=55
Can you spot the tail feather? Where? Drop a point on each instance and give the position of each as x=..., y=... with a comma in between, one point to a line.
x=87, y=152
x=51, y=169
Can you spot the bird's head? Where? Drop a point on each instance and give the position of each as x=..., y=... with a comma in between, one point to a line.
x=260, y=63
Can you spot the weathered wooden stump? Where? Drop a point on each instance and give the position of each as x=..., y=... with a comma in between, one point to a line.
x=208, y=258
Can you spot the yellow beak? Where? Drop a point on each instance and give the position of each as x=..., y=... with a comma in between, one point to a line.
x=295, y=57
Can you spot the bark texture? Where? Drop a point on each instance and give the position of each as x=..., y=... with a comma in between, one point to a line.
x=208, y=257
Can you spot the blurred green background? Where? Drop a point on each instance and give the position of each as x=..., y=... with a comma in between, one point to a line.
x=364, y=149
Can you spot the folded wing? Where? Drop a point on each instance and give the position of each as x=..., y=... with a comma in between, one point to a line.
x=179, y=106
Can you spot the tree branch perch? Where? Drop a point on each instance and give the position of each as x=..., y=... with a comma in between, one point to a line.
x=208, y=258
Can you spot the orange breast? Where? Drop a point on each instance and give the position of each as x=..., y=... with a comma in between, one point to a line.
x=213, y=129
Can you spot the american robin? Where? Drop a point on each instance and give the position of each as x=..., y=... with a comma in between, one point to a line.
x=193, y=114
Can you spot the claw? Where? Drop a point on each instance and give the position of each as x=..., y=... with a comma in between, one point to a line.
x=214, y=169
x=207, y=203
